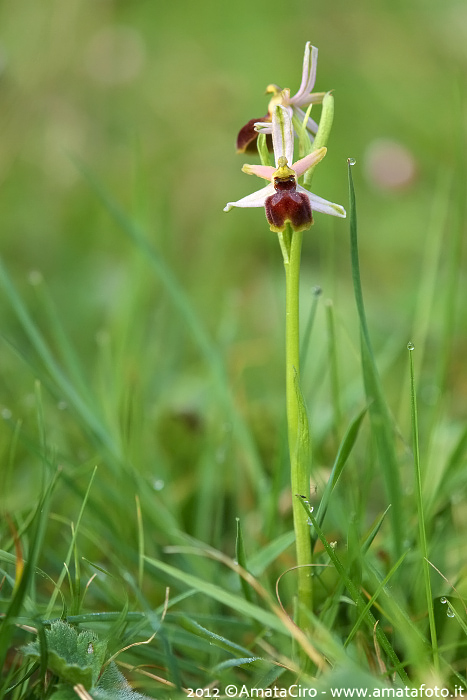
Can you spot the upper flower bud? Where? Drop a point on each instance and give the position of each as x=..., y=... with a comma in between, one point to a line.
x=246, y=140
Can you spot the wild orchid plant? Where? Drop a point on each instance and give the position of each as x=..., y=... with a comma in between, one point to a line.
x=289, y=211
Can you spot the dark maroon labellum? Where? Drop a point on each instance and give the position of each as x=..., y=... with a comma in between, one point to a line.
x=288, y=205
x=246, y=139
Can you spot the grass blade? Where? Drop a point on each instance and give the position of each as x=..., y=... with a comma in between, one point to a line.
x=241, y=558
x=343, y=454
x=316, y=291
x=212, y=637
x=269, y=553
x=37, y=528
x=356, y=596
x=243, y=607
x=334, y=369
x=421, y=514
x=373, y=598
x=71, y=547
x=382, y=425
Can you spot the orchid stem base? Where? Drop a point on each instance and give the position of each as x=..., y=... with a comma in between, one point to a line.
x=291, y=244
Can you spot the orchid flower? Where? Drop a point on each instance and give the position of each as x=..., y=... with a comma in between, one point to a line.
x=246, y=140
x=284, y=200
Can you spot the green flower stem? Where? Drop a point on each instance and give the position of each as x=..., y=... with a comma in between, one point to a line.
x=291, y=244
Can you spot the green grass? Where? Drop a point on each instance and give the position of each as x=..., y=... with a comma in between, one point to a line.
x=144, y=482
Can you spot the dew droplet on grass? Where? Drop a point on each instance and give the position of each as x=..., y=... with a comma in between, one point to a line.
x=410, y=346
x=351, y=161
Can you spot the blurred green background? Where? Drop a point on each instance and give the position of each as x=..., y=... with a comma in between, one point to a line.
x=147, y=98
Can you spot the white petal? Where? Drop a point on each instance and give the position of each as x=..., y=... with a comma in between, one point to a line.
x=310, y=62
x=263, y=127
x=322, y=205
x=282, y=134
x=256, y=199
